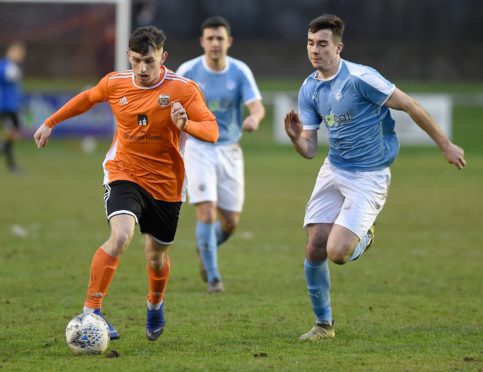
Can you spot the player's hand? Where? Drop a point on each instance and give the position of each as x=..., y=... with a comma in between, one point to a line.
x=42, y=135
x=251, y=123
x=178, y=115
x=455, y=155
x=293, y=125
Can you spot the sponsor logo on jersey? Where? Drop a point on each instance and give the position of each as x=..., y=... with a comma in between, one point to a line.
x=142, y=119
x=123, y=101
x=163, y=100
x=332, y=119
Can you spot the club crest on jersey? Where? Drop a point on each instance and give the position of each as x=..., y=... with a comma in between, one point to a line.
x=338, y=95
x=163, y=100
x=142, y=119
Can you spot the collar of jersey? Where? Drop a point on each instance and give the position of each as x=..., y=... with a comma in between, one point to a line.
x=205, y=65
x=163, y=75
x=314, y=75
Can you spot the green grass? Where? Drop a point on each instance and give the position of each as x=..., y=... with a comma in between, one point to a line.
x=414, y=302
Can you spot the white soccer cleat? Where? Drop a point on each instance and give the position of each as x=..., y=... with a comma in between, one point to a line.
x=319, y=331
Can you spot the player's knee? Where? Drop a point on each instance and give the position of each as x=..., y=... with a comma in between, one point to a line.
x=157, y=260
x=315, y=252
x=230, y=225
x=207, y=216
x=337, y=255
x=121, y=239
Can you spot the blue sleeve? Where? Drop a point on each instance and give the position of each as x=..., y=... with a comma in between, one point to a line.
x=307, y=111
x=249, y=88
x=184, y=70
x=374, y=87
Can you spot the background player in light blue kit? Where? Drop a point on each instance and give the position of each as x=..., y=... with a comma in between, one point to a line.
x=215, y=172
x=352, y=101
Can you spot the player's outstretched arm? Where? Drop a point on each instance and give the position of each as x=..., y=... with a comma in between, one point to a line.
x=401, y=101
x=76, y=106
x=304, y=141
x=42, y=135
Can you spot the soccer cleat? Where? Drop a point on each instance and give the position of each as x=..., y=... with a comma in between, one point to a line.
x=113, y=333
x=155, y=323
x=203, y=273
x=216, y=285
x=319, y=331
x=372, y=235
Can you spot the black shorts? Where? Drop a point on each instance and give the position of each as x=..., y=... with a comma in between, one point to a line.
x=155, y=217
x=10, y=119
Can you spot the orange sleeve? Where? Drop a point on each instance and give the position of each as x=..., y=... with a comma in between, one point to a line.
x=79, y=104
x=201, y=122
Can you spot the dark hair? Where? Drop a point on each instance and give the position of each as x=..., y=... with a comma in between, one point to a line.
x=144, y=37
x=216, y=21
x=328, y=21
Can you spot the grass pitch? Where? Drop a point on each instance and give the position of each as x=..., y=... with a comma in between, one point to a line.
x=413, y=302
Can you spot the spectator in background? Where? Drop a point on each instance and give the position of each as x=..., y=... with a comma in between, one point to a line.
x=11, y=99
x=215, y=172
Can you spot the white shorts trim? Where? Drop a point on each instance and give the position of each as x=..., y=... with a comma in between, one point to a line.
x=215, y=173
x=159, y=241
x=116, y=213
x=349, y=199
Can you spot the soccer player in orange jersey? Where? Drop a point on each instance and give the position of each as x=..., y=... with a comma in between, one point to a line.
x=154, y=109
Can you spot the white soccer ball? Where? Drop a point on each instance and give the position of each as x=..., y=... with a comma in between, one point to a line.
x=87, y=334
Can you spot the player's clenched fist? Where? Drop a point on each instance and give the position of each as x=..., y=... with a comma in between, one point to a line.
x=42, y=135
x=178, y=115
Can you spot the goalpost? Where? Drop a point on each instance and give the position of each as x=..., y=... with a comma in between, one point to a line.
x=123, y=23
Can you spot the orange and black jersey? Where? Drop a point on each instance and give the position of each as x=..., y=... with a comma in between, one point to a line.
x=147, y=146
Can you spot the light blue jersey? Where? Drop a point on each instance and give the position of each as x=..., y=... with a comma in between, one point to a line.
x=351, y=106
x=225, y=92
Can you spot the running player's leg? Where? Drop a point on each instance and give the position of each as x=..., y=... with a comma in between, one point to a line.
x=225, y=225
x=322, y=210
x=104, y=265
x=230, y=190
x=206, y=240
x=318, y=281
x=200, y=163
x=158, y=268
x=107, y=257
x=364, y=196
x=123, y=209
x=158, y=223
x=12, y=128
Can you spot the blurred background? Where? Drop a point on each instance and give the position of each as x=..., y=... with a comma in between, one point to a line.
x=405, y=39
x=424, y=46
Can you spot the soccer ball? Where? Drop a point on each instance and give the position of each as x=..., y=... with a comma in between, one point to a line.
x=87, y=334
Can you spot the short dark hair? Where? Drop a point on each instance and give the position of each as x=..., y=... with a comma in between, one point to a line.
x=214, y=22
x=144, y=37
x=328, y=21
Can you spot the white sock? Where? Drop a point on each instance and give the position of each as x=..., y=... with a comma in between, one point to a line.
x=88, y=310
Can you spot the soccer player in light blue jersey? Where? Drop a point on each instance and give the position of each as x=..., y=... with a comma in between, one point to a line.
x=215, y=171
x=352, y=101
